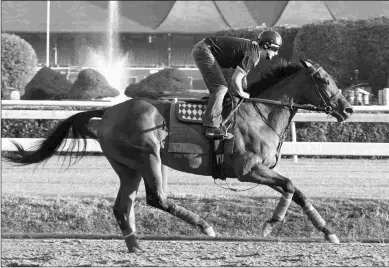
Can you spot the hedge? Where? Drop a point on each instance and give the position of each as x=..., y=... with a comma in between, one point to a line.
x=306, y=132
x=288, y=34
x=339, y=46
x=18, y=62
x=345, y=45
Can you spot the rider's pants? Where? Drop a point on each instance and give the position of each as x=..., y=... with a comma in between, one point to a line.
x=214, y=79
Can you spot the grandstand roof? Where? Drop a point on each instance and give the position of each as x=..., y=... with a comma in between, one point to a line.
x=179, y=16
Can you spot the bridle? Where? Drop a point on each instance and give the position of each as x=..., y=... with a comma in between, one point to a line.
x=294, y=106
x=288, y=105
x=291, y=105
x=323, y=95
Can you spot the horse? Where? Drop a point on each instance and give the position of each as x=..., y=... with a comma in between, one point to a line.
x=134, y=135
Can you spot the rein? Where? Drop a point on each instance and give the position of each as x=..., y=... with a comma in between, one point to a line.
x=290, y=105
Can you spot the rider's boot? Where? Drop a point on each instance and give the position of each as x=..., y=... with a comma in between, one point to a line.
x=217, y=133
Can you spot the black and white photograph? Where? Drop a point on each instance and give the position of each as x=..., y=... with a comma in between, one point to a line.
x=194, y=134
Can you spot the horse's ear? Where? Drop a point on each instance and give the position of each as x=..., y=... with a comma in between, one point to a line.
x=306, y=64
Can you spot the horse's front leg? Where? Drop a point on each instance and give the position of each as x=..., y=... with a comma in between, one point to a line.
x=263, y=175
x=313, y=215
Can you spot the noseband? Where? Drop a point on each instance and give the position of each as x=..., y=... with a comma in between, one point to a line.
x=324, y=96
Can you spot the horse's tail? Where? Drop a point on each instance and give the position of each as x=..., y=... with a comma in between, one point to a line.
x=78, y=124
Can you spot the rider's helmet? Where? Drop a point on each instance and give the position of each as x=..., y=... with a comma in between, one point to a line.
x=270, y=38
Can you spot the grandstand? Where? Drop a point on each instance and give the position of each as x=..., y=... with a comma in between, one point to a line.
x=144, y=50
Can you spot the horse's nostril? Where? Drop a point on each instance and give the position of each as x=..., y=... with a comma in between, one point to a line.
x=349, y=110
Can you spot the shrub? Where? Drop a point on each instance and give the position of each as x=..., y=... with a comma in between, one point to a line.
x=47, y=84
x=18, y=62
x=166, y=81
x=306, y=132
x=90, y=84
x=328, y=43
x=372, y=40
x=345, y=45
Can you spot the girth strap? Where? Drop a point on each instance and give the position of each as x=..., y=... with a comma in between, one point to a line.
x=217, y=159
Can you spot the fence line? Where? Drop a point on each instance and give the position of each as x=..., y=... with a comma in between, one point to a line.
x=33, y=104
x=299, y=117
x=289, y=148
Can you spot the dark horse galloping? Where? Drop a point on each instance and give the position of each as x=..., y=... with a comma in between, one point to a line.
x=133, y=136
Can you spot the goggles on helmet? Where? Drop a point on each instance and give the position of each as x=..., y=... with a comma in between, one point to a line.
x=270, y=46
x=274, y=48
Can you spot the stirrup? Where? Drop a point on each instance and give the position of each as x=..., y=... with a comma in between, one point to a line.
x=221, y=136
x=226, y=136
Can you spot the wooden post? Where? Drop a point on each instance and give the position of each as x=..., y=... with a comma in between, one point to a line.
x=294, y=138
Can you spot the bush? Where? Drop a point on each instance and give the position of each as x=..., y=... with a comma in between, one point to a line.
x=28, y=128
x=345, y=45
x=328, y=43
x=18, y=62
x=306, y=132
x=47, y=84
x=168, y=81
x=372, y=40
x=90, y=84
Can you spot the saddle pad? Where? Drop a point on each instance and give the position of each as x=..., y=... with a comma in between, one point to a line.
x=190, y=112
x=186, y=138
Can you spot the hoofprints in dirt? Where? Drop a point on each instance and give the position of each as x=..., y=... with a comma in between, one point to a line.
x=59, y=253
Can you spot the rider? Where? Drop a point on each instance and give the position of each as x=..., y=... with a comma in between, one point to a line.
x=214, y=53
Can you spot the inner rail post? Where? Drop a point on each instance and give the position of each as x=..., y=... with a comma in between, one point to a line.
x=294, y=138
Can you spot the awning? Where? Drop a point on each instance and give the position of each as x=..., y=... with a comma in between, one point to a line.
x=179, y=16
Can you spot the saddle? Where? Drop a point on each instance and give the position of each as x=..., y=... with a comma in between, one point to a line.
x=187, y=133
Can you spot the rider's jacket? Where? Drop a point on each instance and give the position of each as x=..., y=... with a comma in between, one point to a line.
x=231, y=52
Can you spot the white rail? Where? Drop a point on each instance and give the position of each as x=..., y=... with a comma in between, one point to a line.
x=299, y=117
x=289, y=148
x=106, y=103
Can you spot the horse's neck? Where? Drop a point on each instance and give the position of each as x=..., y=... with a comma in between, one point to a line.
x=278, y=117
x=285, y=90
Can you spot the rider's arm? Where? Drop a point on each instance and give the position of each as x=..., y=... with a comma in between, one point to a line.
x=239, y=78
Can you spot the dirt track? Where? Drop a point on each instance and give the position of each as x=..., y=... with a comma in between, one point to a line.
x=319, y=178
x=75, y=252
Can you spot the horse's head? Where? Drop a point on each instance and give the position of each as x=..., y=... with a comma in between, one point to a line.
x=323, y=92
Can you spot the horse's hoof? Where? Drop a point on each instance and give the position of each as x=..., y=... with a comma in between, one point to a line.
x=135, y=249
x=209, y=231
x=267, y=228
x=332, y=238
x=132, y=244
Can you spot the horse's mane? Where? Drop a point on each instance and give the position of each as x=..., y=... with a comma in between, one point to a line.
x=276, y=72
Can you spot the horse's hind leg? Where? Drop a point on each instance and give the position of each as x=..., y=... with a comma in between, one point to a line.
x=156, y=196
x=125, y=202
x=300, y=199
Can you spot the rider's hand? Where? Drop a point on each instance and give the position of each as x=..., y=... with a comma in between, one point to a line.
x=244, y=95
